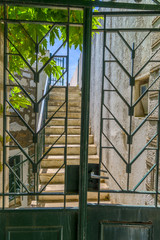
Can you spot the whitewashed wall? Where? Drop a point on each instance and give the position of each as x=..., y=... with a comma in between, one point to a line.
x=117, y=107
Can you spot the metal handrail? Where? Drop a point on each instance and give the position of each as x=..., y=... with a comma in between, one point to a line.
x=42, y=112
x=41, y=122
x=40, y=131
x=41, y=119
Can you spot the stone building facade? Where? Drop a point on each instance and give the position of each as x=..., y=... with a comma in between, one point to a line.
x=21, y=133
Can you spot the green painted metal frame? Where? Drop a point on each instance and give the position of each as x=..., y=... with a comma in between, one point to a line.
x=87, y=5
x=17, y=167
x=35, y=159
x=60, y=61
x=131, y=106
x=112, y=214
x=85, y=125
x=34, y=222
x=85, y=118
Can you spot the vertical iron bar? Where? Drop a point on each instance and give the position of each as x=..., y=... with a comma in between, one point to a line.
x=63, y=71
x=131, y=116
x=50, y=77
x=66, y=100
x=21, y=169
x=78, y=74
x=36, y=122
x=4, y=100
x=157, y=151
x=14, y=177
x=83, y=186
x=102, y=102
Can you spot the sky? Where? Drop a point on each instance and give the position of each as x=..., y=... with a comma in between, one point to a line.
x=73, y=56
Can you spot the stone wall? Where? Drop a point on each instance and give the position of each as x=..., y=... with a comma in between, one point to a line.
x=22, y=134
x=20, y=131
x=17, y=127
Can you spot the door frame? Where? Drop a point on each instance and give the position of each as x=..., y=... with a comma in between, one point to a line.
x=87, y=7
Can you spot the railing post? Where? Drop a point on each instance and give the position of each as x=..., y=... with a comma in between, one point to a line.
x=5, y=64
x=82, y=233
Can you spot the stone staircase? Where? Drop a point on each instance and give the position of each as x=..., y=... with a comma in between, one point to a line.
x=55, y=158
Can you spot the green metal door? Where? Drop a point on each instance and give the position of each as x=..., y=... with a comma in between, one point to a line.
x=129, y=124
x=27, y=24
x=35, y=96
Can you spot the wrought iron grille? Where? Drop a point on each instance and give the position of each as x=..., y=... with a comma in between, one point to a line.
x=122, y=145
x=34, y=158
x=60, y=62
x=137, y=1
x=14, y=184
x=38, y=151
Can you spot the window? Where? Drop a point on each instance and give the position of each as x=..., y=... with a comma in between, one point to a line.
x=141, y=85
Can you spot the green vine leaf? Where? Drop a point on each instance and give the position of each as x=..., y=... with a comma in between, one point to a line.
x=1, y=109
x=25, y=42
x=22, y=39
x=18, y=100
x=1, y=167
x=8, y=139
x=1, y=139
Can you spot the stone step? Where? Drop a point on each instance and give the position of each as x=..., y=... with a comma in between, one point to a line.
x=57, y=161
x=71, y=139
x=71, y=149
x=61, y=89
x=71, y=96
x=15, y=202
x=46, y=174
x=53, y=175
x=63, y=109
x=61, y=122
x=61, y=204
x=50, y=166
x=59, y=188
x=60, y=129
x=60, y=198
x=71, y=103
x=71, y=115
